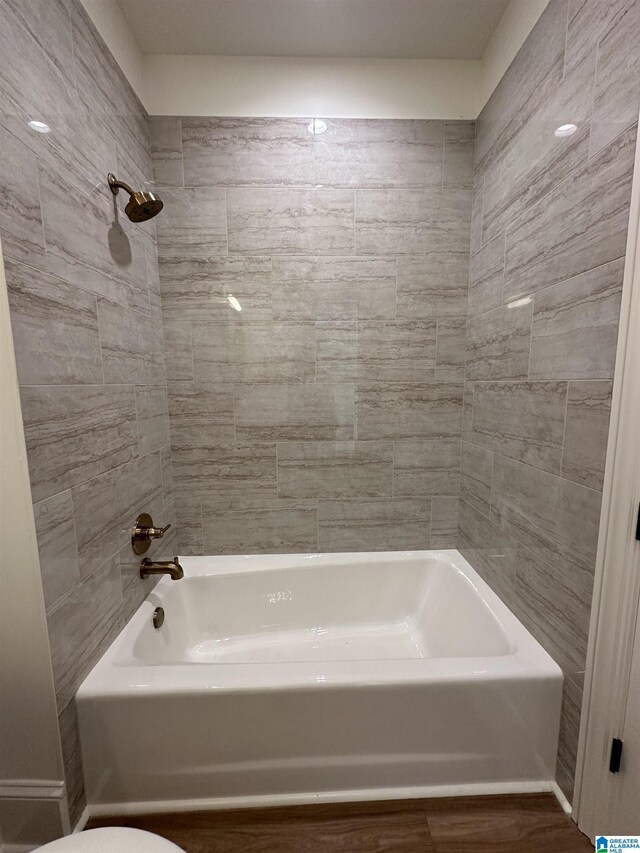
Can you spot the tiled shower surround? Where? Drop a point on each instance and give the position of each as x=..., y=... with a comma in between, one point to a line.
x=327, y=413
x=85, y=310
x=548, y=243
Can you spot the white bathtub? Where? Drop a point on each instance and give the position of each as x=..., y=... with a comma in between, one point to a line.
x=285, y=679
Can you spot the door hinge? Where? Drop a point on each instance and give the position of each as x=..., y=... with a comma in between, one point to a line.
x=616, y=755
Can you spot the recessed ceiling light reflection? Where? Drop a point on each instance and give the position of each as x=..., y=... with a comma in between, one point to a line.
x=234, y=303
x=566, y=129
x=39, y=126
x=518, y=302
x=317, y=126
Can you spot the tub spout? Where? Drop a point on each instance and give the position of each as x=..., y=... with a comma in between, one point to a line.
x=171, y=568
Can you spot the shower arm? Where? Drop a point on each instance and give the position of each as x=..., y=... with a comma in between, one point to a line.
x=115, y=185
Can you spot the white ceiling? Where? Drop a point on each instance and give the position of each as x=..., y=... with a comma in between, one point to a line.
x=386, y=29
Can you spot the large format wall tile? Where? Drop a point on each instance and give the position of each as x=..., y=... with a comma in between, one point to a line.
x=177, y=342
x=82, y=625
x=341, y=469
x=198, y=289
x=201, y=414
x=586, y=432
x=467, y=410
x=426, y=467
x=459, y=144
x=131, y=344
x=166, y=150
x=412, y=222
x=247, y=151
x=106, y=508
x=51, y=30
x=569, y=734
x=589, y=20
x=477, y=198
x=290, y=412
x=254, y=353
x=336, y=351
x=430, y=410
x=486, y=277
x=290, y=221
x=193, y=223
x=20, y=217
x=523, y=420
x=57, y=549
x=364, y=153
x=557, y=520
x=258, y=527
x=167, y=475
x=87, y=247
x=75, y=432
x=445, y=521
x=490, y=550
x=575, y=326
x=241, y=470
x=374, y=525
x=451, y=348
x=106, y=94
x=433, y=285
x=396, y=351
x=538, y=159
x=498, y=344
x=153, y=270
x=575, y=227
x=528, y=82
x=555, y=611
x=31, y=84
x=153, y=417
x=617, y=90
x=334, y=288
x=189, y=524
x=63, y=320
x=476, y=470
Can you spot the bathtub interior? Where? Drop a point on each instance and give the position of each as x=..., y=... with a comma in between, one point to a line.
x=379, y=609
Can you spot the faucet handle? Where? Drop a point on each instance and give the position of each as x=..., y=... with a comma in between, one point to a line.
x=157, y=532
x=144, y=532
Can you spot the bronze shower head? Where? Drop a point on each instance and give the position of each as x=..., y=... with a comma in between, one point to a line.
x=141, y=206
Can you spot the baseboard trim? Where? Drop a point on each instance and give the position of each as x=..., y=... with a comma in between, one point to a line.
x=564, y=802
x=30, y=789
x=82, y=821
x=105, y=810
x=32, y=811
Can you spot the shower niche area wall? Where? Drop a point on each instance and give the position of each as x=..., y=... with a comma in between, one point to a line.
x=314, y=292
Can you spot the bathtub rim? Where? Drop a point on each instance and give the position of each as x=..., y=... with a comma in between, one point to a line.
x=111, y=677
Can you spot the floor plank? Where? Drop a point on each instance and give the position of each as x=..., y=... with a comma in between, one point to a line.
x=516, y=824
x=508, y=824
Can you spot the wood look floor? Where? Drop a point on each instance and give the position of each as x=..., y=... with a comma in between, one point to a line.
x=516, y=824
